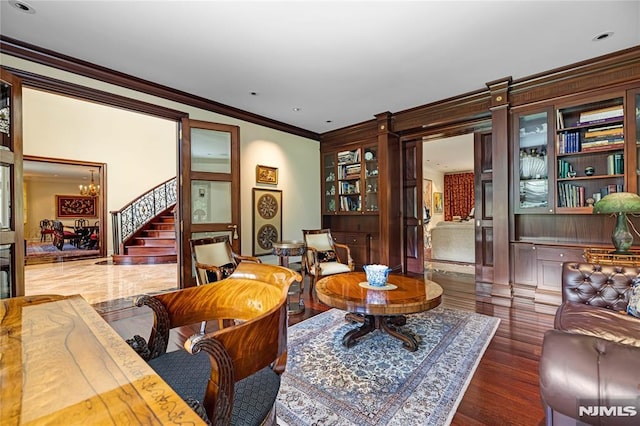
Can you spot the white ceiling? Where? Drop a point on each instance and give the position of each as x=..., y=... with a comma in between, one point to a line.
x=449, y=155
x=340, y=61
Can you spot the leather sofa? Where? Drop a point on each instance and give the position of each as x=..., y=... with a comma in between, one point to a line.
x=590, y=363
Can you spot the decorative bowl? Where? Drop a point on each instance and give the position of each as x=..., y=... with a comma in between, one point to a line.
x=377, y=274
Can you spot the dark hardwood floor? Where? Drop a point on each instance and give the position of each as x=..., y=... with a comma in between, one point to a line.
x=504, y=389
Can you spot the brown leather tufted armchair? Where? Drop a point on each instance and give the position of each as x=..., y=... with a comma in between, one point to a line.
x=593, y=355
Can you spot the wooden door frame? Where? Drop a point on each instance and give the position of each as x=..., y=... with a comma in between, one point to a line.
x=14, y=235
x=421, y=137
x=102, y=174
x=185, y=227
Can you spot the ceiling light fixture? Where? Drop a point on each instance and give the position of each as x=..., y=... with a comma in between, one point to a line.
x=296, y=109
x=22, y=6
x=602, y=36
x=92, y=190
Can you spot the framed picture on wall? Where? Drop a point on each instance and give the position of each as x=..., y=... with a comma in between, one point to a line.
x=267, y=219
x=438, y=205
x=426, y=199
x=76, y=206
x=266, y=174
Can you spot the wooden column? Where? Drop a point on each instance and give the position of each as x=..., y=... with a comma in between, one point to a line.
x=389, y=181
x=501, y=292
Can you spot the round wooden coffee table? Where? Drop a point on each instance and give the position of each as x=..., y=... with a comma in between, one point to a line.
x=379, y=309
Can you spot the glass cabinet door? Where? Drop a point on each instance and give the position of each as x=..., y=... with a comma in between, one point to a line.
x=532, y=154
x=329, y=183
x=371, y=178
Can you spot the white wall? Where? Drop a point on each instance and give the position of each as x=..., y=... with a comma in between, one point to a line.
x=297, y=158
x=139, y=150
x=41, y=204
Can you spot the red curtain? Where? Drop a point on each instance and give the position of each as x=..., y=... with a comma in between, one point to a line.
x=458, y=195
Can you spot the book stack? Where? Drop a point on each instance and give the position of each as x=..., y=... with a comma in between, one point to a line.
x=601, y=115
x=350, y=171
x=603, y=138
x=564, y=167
x=615, y=164
x=611, y=188
x=350, y=204
x=352, y=187
x=569, y=142
x=345, y=157
x=570, y=195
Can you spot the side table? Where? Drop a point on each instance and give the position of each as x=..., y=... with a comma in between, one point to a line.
x=285, y=249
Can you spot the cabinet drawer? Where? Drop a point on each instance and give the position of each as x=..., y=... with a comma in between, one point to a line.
x=560, y=254
x=355, y=240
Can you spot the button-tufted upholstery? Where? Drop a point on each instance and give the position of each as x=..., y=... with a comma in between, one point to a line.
x=606, y=286
x=594, y=351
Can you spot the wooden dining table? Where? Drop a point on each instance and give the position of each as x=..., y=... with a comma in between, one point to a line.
x=379, y=308
x=62, y=364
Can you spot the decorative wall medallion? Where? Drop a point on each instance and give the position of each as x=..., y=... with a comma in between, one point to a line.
x=267, y=206
x=267, y=235
x=267, y=220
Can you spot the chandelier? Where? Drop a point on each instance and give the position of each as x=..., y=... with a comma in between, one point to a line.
x=92, y=190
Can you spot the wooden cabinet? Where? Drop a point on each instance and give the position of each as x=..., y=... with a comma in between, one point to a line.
x=350, y=180
x=361, y=189
x=359, y=244
x=537, y=272
x=570, y=155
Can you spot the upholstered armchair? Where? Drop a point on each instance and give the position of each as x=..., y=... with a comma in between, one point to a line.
x=230, y=375
x=214, y=258
x=60, y=236
x=322, y=257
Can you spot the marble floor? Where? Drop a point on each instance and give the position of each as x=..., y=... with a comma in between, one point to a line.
x=98, y=280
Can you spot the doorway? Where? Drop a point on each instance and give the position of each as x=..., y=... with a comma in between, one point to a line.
x=48, y=185
x=448, y=240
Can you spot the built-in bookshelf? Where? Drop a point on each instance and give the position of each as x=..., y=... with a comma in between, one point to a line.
x=590, y=143
x=351, y=180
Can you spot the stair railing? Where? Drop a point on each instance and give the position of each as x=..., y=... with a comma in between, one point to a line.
x=128, y=220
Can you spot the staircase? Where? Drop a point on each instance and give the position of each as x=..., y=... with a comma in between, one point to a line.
x=154, y=243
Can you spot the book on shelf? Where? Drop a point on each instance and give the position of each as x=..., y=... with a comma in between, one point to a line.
x=616, y=130
x=615, y=164
x=559, y=120
x=570, y=195
x=610, y=145
x=609, y=189
x=602, y=114
x=349, y=156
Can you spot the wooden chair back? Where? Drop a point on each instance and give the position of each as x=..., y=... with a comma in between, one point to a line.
x=237, y=351
x=214, y=256
x=318, y=243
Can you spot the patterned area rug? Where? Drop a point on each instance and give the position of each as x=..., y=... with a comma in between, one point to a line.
x=46, y=252
x=377, y=382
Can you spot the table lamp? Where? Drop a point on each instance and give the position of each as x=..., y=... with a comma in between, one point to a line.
x=619, y=203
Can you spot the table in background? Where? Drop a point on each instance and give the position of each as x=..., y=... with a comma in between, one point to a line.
x=285, y=249
x=379, y=309
x=61, y=363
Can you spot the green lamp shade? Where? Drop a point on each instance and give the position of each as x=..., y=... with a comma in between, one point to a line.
x=619, y=203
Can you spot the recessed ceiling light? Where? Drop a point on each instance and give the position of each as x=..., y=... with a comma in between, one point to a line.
x=602, y=36
x=254, y=93
x=329, y=121
x=296, y=109
x=22, y=6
